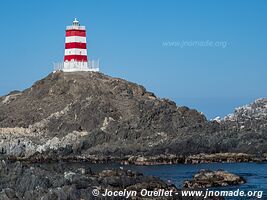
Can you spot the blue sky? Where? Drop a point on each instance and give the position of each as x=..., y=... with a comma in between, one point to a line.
x=129, y=37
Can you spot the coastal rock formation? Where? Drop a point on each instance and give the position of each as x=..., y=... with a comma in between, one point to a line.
x=207, y=178
x=245, y=130
x=67, y=181
x=72, y=181
x=153, y=160
x=89, y=113
x=114, y=117
x=191, y=159
x=249, y=115
x=222, y=158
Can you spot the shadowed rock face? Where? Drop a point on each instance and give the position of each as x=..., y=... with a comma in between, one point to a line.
x=92, y=113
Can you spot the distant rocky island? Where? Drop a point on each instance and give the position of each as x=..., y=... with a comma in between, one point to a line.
x=92, y=116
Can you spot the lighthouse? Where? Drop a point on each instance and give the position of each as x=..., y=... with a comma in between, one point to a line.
x=75, y=55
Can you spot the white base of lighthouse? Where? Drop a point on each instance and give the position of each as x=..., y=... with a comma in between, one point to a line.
x=76, y=66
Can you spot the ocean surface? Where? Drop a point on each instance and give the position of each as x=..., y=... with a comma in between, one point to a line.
x=254, y=173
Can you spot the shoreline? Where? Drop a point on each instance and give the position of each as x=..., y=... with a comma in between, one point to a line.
x=169, y=159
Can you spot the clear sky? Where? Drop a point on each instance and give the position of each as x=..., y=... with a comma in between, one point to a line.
x=209, y=55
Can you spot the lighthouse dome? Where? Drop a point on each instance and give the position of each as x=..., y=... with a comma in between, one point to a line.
x=75, y=22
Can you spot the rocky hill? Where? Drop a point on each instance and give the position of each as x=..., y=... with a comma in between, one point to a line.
x=246, y=127
x=249, y=117
x=89, y=113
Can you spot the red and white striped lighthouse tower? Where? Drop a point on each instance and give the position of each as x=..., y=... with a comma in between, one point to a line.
x=75, y=57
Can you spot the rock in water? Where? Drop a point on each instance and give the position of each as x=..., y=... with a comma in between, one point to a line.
x=64, y=181
x=207, y=178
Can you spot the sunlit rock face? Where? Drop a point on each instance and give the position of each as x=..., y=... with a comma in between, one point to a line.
x=89, y=113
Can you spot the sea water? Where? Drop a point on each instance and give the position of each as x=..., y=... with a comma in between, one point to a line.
x=254, y=173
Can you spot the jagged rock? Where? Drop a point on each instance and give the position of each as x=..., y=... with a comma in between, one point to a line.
x=254, y=111
x=25, y=181
x=89, y=113
x=207, y=178
x=120, y=117
x=153, y=160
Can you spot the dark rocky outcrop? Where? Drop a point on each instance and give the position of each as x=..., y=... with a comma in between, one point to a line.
x=88, y=113
x=73, y=181
x=245, y=130
x=88, y=116
x=207, y=178
x=222, y=158
x=67, y=181
x=117, y=117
